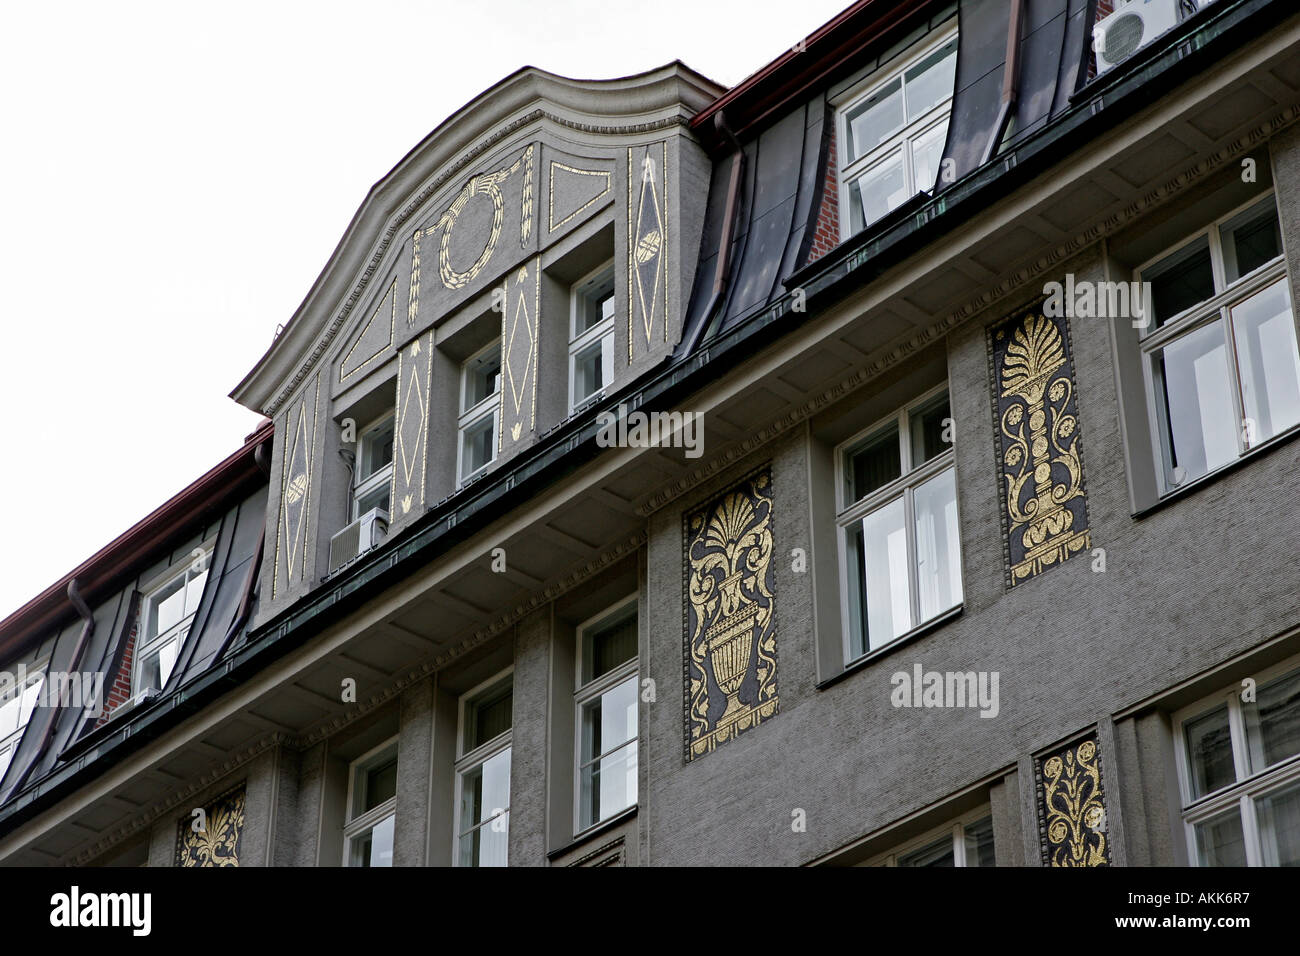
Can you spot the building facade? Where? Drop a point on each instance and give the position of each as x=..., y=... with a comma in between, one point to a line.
x=889, y=460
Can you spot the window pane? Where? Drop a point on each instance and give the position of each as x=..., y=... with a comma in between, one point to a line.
x=856, y=574
x=1270, y=368
x=1181, y=280
x=487, y=845
x=927, y=151
x=479, y=446
x=609, y=643
x=588, y=371
x=595, y=303
x=936, y=854
x=931, y=81
x=167, y=660
x=490, y=716
x=482, y=377
x=938, y=545
x=376, y=847
x=380, y=784
x=9, y=712
x=1220, y=842
x=1250, y=240
x=194, y=590
x=875, y=192
x=376, y=450
x=888, y=592
x=1273, y=722
x=979, y=843
x=150, y=675
x=1209, y=747
x=609, y=785
x=609, y=720
x=1279, y=827
x=374, y=498
x=928, y=427
x=31, y=696
x=872, y=122
x=874, y=463
x=166, y=607
x=1192, y=383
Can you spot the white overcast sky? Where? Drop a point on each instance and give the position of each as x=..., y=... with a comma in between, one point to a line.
x=174, y=177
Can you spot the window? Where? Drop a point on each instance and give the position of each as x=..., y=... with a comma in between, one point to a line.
x=19, y=695
x=899, y=540
x=967, y=842
x=372, y=803
x=1239, y=761
x=480, y=384
x=372, y=483
x=606, y=702
x=1219, y=351
x=483, y=774
x=167, y=613
x=892, y=134
x=591, y=336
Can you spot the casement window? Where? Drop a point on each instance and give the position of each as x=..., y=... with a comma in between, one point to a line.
x=591, y=336
x=899, y=542
x=483, y=774
x=166, y=615
x=606, y=714
x=17, y=704
x=479, y=407
x=372, y=483
x=1239, y=762
x=1221, y=367
x=968, y=841
x=372, y=805
x=892, y=131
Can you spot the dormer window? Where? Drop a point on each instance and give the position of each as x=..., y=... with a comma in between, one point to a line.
x=372, y=486
x=479, y=404
x=166, y=615
x=892, y=131
x=591, y=336
x=18, y=699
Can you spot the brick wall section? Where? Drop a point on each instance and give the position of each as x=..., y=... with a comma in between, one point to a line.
x=826, y=235
x=119, y=691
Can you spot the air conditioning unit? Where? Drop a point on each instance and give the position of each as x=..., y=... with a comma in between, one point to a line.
x=1133, y=25
x=358, y=538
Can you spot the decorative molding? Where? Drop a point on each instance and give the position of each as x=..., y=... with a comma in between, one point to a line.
x=613, y=853
x=450, y=172
x=1071, y=803
x=217, y=843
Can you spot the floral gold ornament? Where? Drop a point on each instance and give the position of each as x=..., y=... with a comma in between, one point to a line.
x=216, y=841
x=1072, y=807
x=730, y=627
x=1039, y=448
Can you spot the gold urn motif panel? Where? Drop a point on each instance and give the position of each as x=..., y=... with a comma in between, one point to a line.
x=216, y=841
x=1072, y=806
x=1038, y=444
x=730, y=652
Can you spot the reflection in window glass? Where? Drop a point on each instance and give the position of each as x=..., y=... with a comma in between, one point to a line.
x=877, y=191
x=871, y=123
x=1279, y=827
x=1220, y=842
x=1268, y=362
x=1200, y=417
x=1181, y=280
x=888, y=590
x=485, y=812
x=938, y=546
x=1209, y=744
x=1273, y=722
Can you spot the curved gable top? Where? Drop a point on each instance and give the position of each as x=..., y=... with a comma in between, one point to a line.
x=659, y=99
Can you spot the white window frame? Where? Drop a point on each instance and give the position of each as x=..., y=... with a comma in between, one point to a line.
x=468, y=761
x=602, y=331
x=1249, y=787
x=956, y=828
x=9, y=745
x=1216, y=309
x=594, y=689
x=850, y=514
x=850, y=171
x=489, y=407
x=178, y=632
x=382, y=476
x=362, y=824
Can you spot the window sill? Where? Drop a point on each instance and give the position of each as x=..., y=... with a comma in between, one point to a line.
x=903, y=640
x=1277, y=441
x=595, y=830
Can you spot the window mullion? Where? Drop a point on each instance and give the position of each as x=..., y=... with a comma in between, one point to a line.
x=1250, y=831
x=913, y=573
x=1237, y=731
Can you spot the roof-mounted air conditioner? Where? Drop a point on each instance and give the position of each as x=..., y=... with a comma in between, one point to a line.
x=358, y=538
x=1133, y=25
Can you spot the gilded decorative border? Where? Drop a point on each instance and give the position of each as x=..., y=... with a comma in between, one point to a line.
x=392, y=333
x=550, y=194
